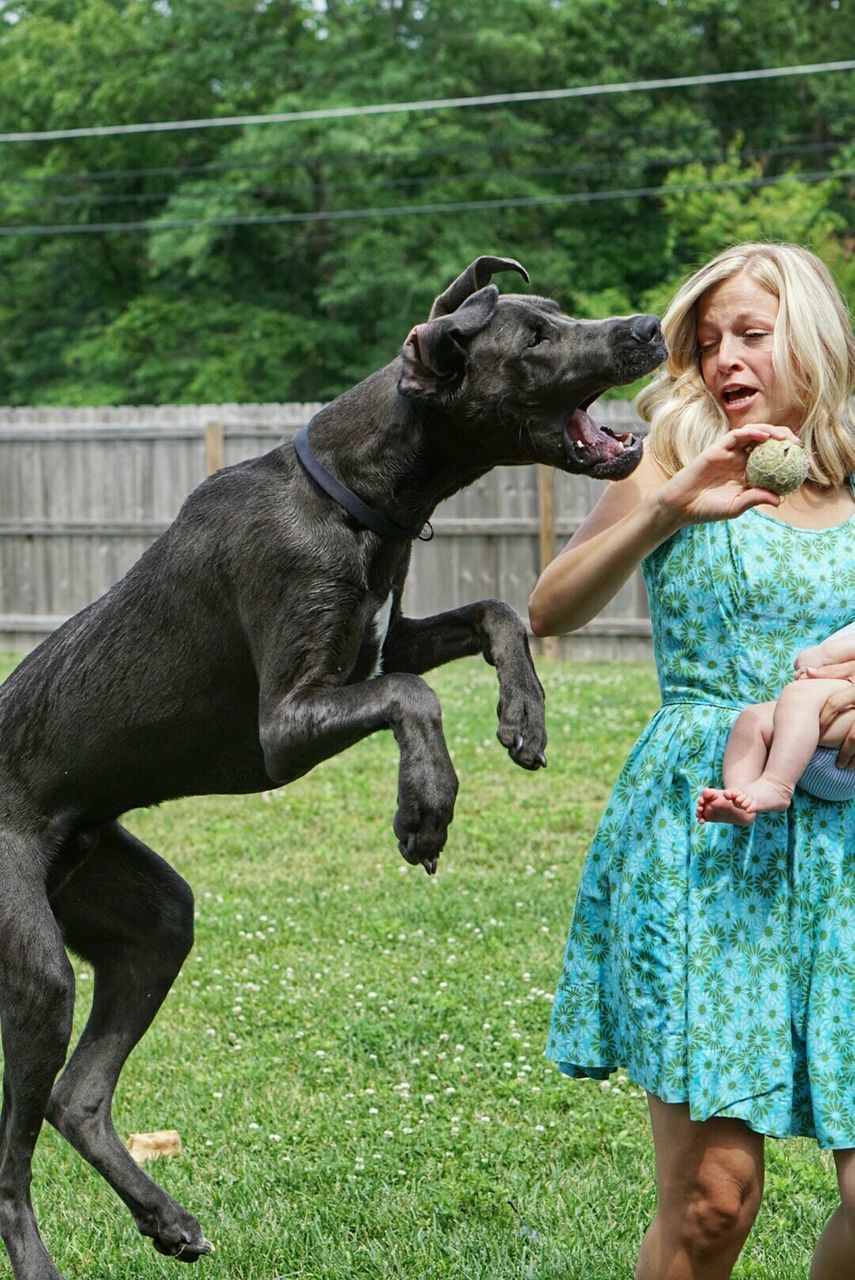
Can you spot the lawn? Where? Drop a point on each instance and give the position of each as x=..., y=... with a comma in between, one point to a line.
x=353, y=1054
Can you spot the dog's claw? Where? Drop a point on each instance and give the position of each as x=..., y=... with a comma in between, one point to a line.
x=523, y=749
x=199, y=1247
x=188, y=1248
x=409, y=851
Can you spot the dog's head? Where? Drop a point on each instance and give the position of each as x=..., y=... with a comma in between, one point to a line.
x=525, y=373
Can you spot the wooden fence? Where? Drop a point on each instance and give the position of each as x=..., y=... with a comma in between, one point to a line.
x=84, y=491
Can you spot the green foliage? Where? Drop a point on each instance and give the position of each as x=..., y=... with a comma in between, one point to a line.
x=381, y=211
x=701, y=220
x=174, y=351
x=709, y=206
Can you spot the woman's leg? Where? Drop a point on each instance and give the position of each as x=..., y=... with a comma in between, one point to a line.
x=835, y=1252
x=709, y=1178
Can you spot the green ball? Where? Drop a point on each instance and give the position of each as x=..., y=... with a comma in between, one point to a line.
x=778, y=465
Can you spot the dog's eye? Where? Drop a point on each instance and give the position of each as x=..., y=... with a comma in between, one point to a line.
x=536, y=338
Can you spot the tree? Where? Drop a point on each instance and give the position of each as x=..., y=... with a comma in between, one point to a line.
x=283, y=261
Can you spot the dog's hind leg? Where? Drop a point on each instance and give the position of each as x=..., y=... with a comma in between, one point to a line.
x=36, y=1004
x=125, y=910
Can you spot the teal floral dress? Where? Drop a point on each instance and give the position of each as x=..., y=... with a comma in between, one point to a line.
x=716, y=963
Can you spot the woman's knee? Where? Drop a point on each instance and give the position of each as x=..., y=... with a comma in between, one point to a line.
x=845, y=1161
x=718, y=1207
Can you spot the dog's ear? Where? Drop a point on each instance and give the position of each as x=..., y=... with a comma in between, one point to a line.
x=476, y=275
x=434, y=354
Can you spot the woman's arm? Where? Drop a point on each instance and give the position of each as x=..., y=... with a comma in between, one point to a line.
x=633, y=517
x=626, y=523
x=836, y=705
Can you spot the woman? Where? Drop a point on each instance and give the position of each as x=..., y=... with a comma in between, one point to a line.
x=717, y=962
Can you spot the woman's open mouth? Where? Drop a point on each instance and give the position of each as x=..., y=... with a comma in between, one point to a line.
x=735, y=399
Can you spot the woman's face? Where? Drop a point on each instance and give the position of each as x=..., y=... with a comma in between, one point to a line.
x=735, y=324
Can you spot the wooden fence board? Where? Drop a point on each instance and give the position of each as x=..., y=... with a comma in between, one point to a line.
x=84, y=491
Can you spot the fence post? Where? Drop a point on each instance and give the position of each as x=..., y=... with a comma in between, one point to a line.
x=546, y=521
x=214, y=447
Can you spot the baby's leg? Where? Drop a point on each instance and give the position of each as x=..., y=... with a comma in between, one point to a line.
x=795, y=728
x=795, y=735
x=744, y=761
x=749, y=745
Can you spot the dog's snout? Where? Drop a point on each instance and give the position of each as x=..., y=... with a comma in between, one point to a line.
x=645, y=328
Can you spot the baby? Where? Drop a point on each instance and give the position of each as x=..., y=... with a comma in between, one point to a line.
x=775, y=746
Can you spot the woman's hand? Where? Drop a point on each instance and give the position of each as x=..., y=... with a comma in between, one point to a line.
x=634, y=516
x=712, y=486
x=839, y=702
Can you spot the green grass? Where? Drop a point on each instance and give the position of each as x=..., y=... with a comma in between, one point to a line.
x=353, y=1052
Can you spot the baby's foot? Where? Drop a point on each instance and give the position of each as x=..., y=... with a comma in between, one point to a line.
x=716, y=805
x=763, y=796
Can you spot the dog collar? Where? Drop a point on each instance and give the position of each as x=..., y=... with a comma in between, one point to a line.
x=346, y=498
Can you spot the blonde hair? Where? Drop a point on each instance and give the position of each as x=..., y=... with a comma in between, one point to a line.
x=813, y=356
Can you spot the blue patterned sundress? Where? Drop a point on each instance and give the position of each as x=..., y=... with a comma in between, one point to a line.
x=716, y=963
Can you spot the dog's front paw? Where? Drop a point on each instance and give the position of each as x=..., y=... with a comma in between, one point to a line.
x=522, y=727
x=421, y=823
x=422, y=845
x=185, y=1248
x=174, y=1232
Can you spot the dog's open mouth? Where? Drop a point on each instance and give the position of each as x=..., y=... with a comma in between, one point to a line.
x=599, y=451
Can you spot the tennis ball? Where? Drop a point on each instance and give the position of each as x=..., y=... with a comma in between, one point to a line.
x=778, y=465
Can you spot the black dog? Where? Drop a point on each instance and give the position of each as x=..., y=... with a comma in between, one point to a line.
x=243, y=648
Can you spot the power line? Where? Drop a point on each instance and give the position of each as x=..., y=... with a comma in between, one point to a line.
x=607, y=138
x=378, y=181
x=431, y=104
x=243, y=159
x=341, y=215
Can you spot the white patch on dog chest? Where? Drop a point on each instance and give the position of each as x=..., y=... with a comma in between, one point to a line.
x=380, y=625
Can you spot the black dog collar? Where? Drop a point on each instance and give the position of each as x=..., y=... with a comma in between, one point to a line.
x=345, y=497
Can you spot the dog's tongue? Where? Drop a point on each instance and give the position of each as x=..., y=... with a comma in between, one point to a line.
x=601, y=452
x=583, y=428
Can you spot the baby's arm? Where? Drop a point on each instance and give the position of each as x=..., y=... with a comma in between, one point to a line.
x=840, y=649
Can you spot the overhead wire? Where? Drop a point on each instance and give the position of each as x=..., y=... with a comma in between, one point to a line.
x=381, y=182
x=337, y=215
x=431, y=104
x=378, y=183
x=605, y=137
